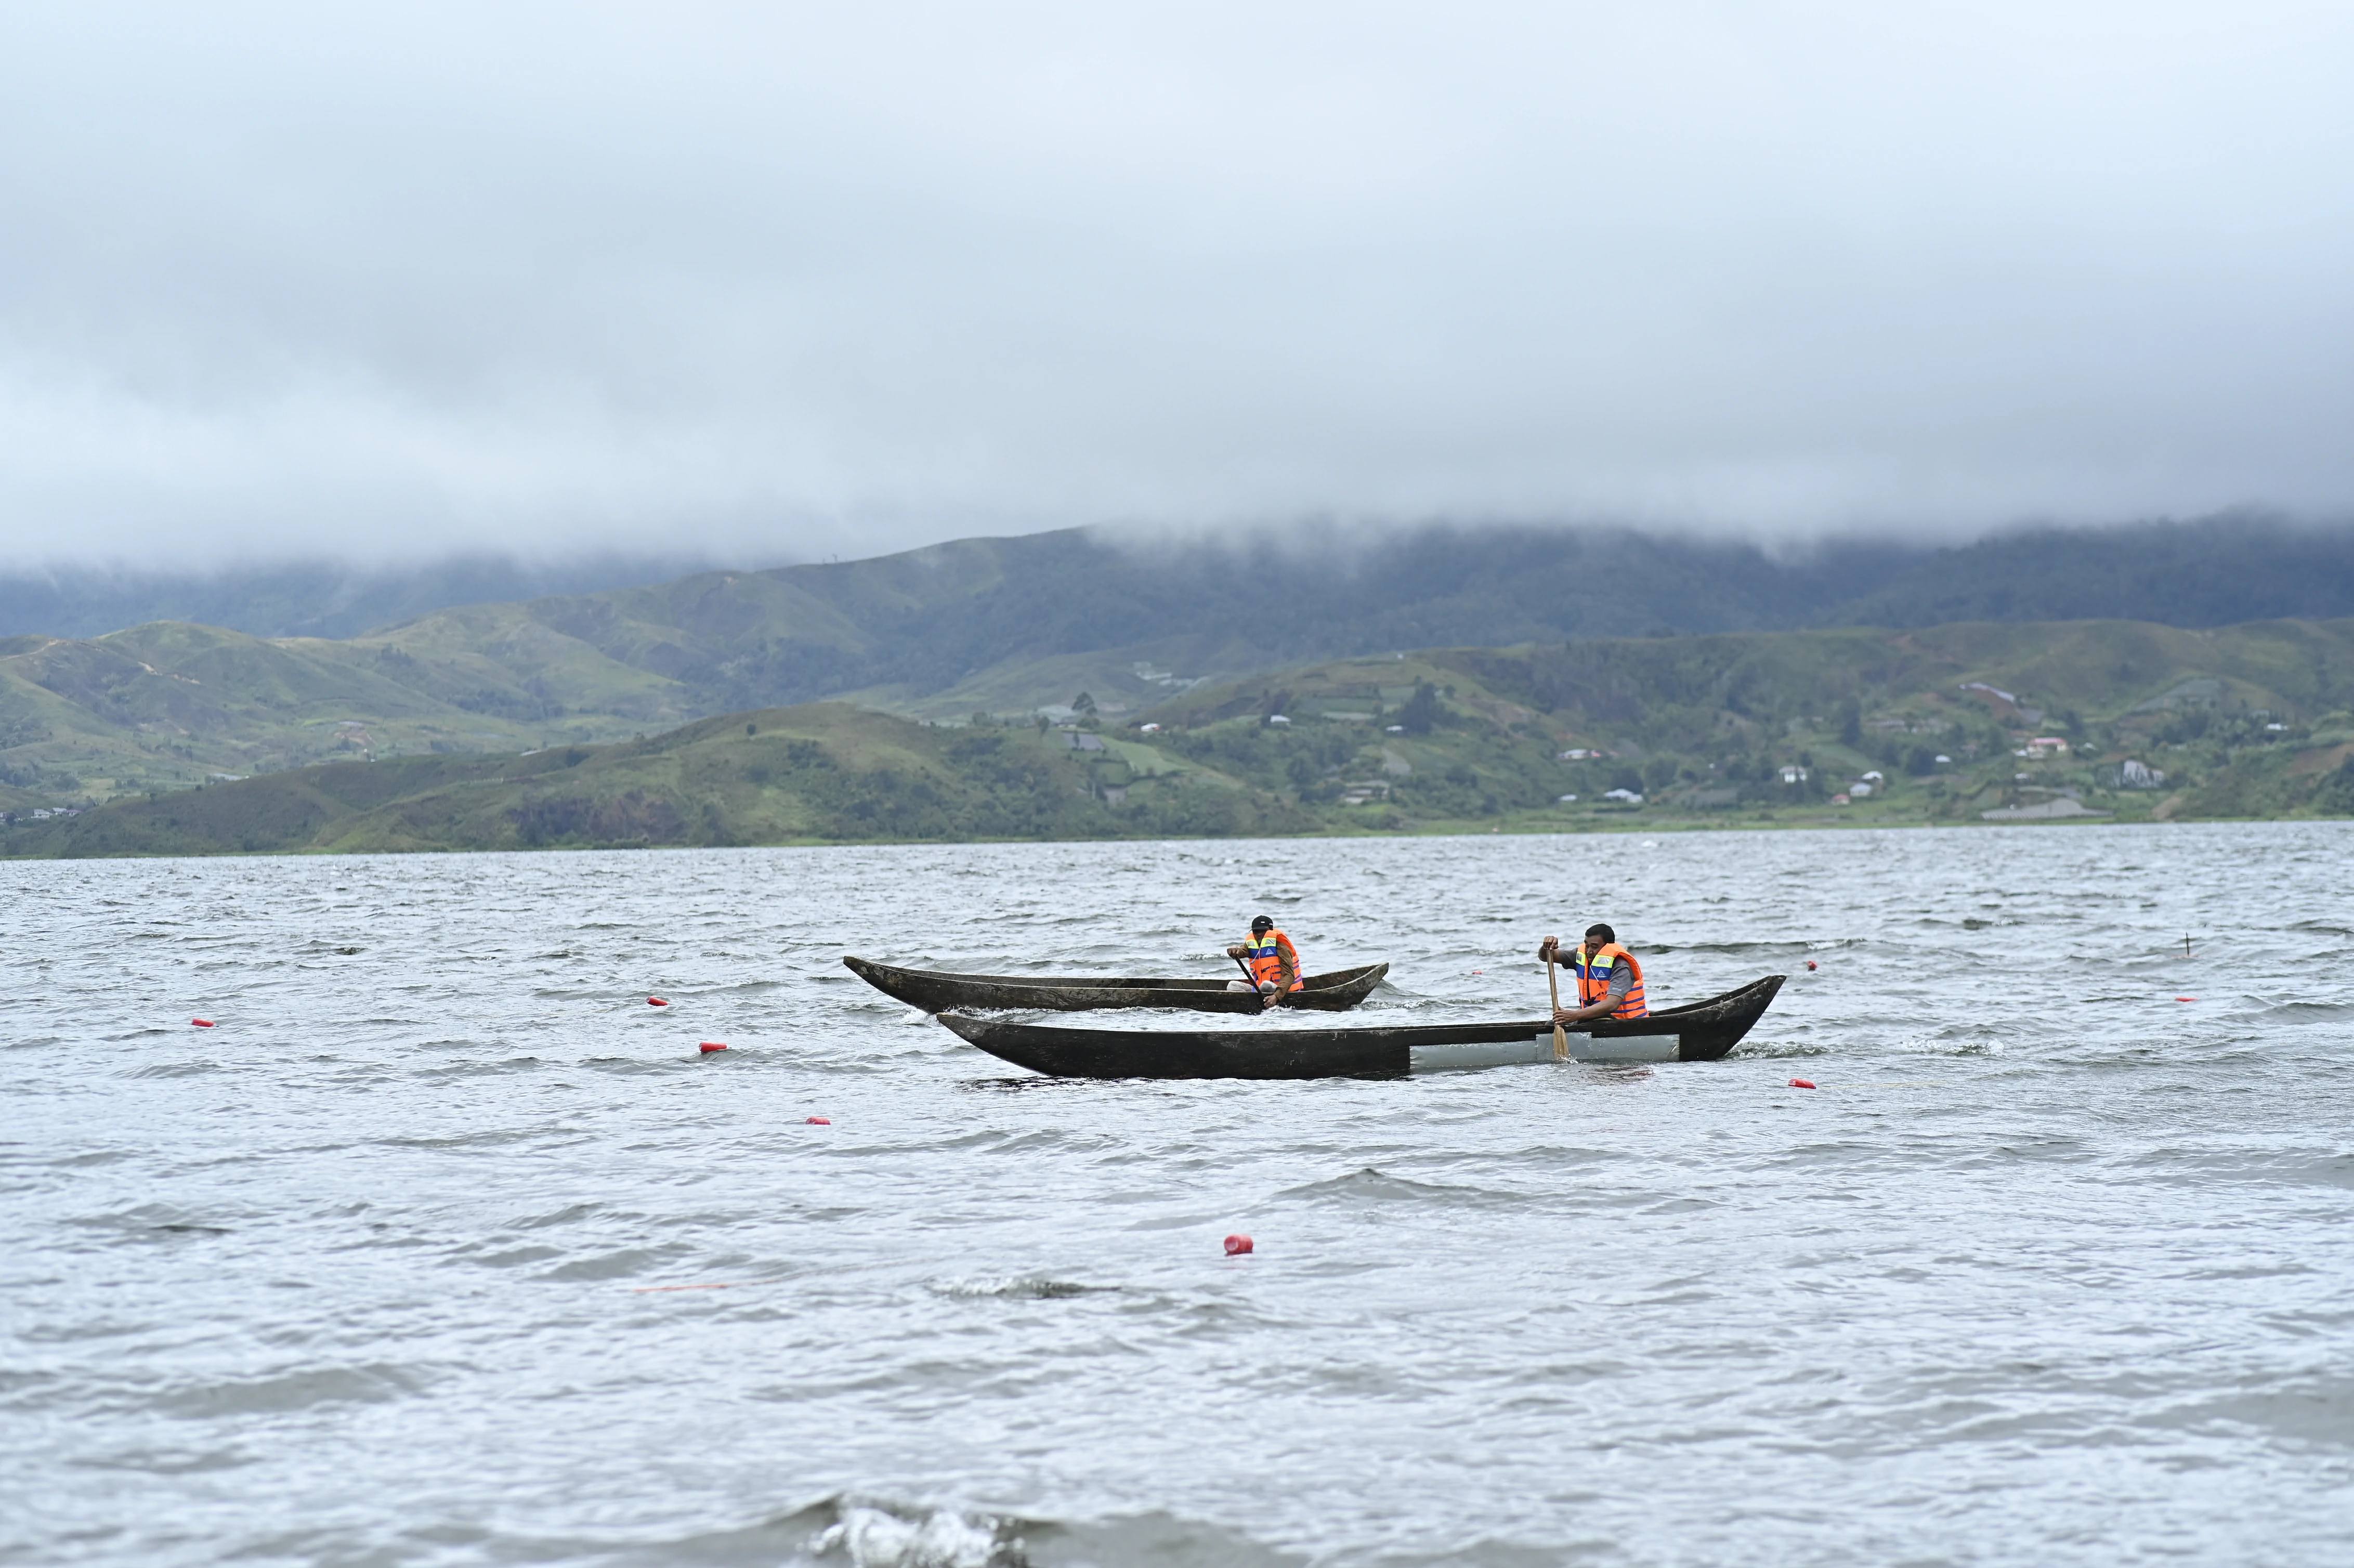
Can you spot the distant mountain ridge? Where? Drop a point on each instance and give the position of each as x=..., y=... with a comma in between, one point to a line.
x=1314, y=592
x=1006, y=625
x=301, y=599
x=2223, y=571
x=1961, y=724
x=1010, y=626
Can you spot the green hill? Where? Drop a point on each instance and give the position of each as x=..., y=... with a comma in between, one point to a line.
x=2248, y=721
x=1942, y=725
x=300, y=599
x=167, y=705
x=1011, y=626
x=824, y=772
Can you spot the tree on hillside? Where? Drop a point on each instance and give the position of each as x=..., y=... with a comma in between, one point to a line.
x=1421, y=712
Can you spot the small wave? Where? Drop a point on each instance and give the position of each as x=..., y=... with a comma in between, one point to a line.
x=624, y=1264
x=625, y=1066
x=1759, y=948
x=150, y=1222
x=2309, y=1012
x=276, y=1393
x=876, y=1537
x=1772, y=1050
x=1014, y=1288
x=481, y=1069
x=869, y=1531
x=1374, y=1186
x=166, y=1461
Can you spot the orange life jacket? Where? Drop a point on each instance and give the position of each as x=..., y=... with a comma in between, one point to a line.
x=1594, y=972
x=1264, y=955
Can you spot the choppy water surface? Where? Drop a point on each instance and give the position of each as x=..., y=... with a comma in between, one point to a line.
x=445, y=1248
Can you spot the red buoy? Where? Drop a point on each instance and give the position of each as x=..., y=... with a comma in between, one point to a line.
x=1801, y=1084
x=818, y=1121
x=1811, y=963
x=656, y=1001
x=201, y=1022
x=1237, y=1245
x=2186, y=999
x=711, y=1046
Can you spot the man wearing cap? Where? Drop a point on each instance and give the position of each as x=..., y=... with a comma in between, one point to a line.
x=1609, y=981
x=1273, y=962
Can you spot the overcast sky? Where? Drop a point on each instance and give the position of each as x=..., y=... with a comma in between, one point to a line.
x=786, y=281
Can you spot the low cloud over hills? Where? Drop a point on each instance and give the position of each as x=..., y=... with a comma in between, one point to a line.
x=1009, y=625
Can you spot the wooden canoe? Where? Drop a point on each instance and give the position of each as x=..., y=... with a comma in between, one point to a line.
x=936, y=991
x=1697, y=1031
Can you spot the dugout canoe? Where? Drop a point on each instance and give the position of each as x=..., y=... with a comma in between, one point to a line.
x=1696, y=1032
x=936, y=991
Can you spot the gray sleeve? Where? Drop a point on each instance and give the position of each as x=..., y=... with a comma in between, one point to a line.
x=1622, y=980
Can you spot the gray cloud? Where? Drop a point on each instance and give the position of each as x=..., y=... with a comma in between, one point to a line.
x=387, y=281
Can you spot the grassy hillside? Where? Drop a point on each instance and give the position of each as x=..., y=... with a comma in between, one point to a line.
x=2242, y=722
x=1766, y=728
x=1002, y=625
x=1008, y=626
x=821, y=772
x=167, y=705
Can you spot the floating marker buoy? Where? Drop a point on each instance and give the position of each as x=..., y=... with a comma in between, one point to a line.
x=710, y=1046
x=1811, y=963
x=2186, y=999
x=1801, y=1084
x=200, y=1022
x=1237, y=1245
x=817, y=1121
x=656, y=1001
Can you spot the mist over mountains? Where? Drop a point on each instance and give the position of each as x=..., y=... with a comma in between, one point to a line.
x=321, y=598
x=1009, y=626
x=927, y=618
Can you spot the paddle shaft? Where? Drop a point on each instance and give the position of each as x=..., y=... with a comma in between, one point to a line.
x=1248, y=976
x=1559, y=1035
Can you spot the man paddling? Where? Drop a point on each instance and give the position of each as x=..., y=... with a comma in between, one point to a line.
x=1273, y=962
x=1609, y=981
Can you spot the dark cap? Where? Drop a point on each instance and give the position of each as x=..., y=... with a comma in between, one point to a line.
x=1262, y=926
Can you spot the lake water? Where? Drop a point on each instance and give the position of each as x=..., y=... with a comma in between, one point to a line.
x=450, y=1249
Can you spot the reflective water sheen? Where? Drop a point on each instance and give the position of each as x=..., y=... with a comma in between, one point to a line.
x=445, y=1248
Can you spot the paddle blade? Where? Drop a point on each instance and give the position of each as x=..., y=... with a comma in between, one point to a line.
x=1560, y=1043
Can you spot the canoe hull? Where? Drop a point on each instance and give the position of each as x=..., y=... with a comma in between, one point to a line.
x=936, y=990
x=1698, y=1031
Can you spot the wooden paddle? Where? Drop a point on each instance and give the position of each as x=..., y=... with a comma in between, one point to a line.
x=1264, y=1000
x=1560, y=1036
